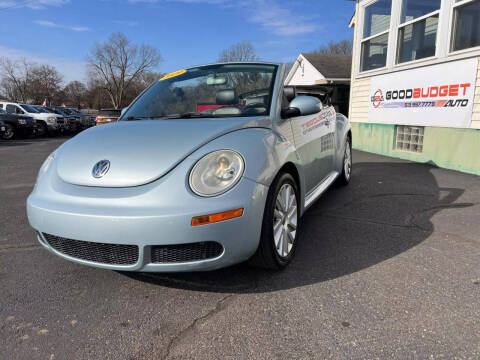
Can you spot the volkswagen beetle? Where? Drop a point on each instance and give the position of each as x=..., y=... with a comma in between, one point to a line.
x=208, y=167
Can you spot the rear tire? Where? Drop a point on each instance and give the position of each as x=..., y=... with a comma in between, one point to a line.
x=346, y=174
x=9, y=133
x=278, y=239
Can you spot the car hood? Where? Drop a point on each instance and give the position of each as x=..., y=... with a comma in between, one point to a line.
x=139, y=152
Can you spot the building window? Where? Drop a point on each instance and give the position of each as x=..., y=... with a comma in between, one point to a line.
x=375, y=35
x=409, y=138
x=417, y=40
x=466, y=25
x=413, y=9
x=374, y=52
x=417, y=33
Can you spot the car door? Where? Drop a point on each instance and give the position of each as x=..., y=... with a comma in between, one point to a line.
x=314, y=140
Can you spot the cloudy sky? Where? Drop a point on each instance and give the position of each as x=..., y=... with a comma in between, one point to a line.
x=186, y=32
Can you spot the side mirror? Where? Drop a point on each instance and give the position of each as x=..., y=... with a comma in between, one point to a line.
x=303, y=105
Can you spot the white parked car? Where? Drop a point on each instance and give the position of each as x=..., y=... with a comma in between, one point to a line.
x=46, y=122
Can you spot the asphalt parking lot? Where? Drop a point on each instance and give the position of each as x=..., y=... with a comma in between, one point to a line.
x=386, y=268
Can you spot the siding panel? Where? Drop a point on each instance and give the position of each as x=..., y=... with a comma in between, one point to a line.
x=359, y=97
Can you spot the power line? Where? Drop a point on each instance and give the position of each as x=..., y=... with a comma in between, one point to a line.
x=18, y=5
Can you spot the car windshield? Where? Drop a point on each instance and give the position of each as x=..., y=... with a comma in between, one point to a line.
x=220, y=90
x=41, y=109
x=29, y=108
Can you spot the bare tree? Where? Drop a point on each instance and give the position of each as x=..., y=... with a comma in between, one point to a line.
x=242, y=51
x=75, y=93
x=118, y=62
x=45, y=83
x=15, y=78
x=343, y=47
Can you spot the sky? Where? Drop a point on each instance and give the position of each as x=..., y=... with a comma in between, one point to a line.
x=186, y=32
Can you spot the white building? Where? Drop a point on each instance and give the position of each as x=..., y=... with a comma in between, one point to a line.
x=415, y=92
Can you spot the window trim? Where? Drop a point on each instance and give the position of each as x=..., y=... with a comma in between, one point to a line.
x=451, y=33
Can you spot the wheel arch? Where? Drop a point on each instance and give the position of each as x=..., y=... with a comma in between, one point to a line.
x=292, y=169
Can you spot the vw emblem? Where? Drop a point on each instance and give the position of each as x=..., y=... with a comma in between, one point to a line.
x=100, y=168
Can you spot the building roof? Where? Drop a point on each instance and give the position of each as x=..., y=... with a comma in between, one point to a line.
x=331, y=66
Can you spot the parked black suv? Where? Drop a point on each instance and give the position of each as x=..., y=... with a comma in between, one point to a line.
x=17, y=125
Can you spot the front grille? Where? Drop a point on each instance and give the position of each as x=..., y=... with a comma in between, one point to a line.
x=115, y=254
x=186, y=252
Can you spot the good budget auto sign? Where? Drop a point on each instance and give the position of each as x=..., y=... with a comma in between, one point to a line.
x=438, y=95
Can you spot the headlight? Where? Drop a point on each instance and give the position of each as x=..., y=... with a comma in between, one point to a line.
x=51, y=119
x=45, y=165
x=22, y=122
x=216, y=173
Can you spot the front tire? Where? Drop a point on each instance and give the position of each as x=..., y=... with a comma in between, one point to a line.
x=278, y=240
x=9, y=133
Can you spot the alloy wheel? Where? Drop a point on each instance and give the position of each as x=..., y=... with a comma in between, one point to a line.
x=285, y=218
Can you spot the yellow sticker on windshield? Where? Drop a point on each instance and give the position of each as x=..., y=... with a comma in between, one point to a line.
x=173, y=74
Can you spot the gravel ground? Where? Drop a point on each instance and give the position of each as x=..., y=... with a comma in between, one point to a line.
x=387, y=267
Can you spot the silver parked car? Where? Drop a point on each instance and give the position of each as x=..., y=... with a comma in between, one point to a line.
x=208, y=167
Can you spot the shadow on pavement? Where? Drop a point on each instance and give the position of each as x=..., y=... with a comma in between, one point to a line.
x=386, y=210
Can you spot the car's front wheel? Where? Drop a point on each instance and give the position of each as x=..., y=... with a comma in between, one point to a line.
x=278, y=239
x=9, y=132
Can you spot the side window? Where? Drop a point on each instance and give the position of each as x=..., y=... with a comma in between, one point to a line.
x=18, y=110
x=11, y=109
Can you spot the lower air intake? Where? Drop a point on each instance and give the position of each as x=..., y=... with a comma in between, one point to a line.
x=167, y=254
x=112, y=254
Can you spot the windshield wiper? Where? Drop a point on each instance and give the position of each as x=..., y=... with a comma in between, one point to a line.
x=132, y=118
x=171, y=116
x=188, y=115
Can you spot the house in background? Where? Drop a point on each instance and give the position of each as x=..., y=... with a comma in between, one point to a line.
x=415, y=89
x=313, y=70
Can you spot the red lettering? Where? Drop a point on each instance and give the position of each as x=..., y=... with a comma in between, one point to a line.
x=416, y=93
x=453, y=90
x=443, y=90
x=425, y=95
x=465, y=86
x=434, y=91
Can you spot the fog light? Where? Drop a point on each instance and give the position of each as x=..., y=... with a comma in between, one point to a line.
x=213, y=218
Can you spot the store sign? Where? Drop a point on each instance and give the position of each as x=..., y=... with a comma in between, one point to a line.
x=438, y=95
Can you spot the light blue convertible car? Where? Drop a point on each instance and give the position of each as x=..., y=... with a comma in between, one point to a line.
x=208, y=167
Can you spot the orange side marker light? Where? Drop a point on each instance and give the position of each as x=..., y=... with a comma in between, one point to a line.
x=213, y=218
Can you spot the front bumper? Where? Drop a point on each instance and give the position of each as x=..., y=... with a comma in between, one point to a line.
x=158, y=213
